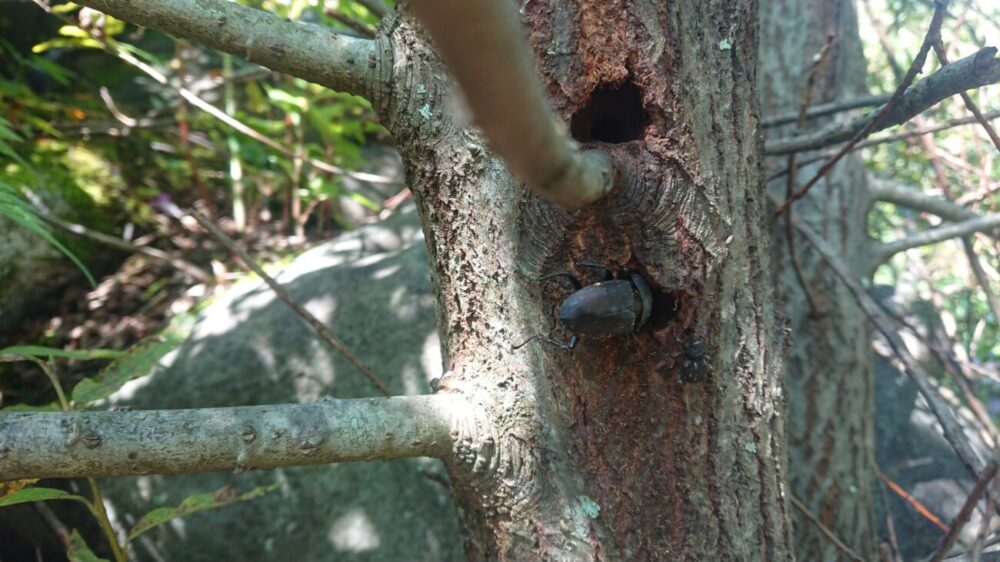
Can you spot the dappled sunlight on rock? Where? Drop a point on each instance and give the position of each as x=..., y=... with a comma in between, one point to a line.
x=354, y=532
x=322, y=307
x=385, y=272
x=267, y=355
x=430, y=356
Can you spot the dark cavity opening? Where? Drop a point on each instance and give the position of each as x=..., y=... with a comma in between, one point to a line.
x=666, y=307
x=614, y=114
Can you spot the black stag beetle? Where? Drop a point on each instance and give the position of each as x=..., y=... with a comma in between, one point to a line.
x=617, y=306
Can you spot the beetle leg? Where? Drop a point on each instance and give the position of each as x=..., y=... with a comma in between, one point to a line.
x=525, y=342
x=609, y=273
x=567, y=345
x=572, y=279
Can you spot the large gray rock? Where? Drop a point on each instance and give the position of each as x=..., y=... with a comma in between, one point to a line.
x=911, y=450
x=372, y=287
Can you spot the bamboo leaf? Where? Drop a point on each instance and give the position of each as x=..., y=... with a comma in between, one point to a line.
x=136, y=362
x=80, y=552
x=194, y=504
x=27, y=495
x=42, y=352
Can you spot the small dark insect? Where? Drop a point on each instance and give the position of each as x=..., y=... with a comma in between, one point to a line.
x=617, y=306
x=695, y=366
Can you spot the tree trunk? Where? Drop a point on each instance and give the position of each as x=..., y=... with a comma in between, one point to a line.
x=626, y=448
x=829, y=373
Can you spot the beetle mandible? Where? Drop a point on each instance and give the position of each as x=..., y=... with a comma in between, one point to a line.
x=617, y=306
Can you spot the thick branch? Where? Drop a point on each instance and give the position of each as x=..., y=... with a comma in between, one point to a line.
x=891, y=192
x=484, y=46
x=303, y=50
x=973, y=71
x=979, y=224
x=64, y=445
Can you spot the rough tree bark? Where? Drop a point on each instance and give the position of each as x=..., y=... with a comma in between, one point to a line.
x=688, y=471
x=829, y=373
x=667, y=444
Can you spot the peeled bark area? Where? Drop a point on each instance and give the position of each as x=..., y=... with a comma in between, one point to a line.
x=603, y=453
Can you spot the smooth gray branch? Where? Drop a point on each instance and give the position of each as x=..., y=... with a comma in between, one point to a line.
x=892, y=192
x=973, y=71
x=939, y=234
x=485, y=48
x=97, y=444
x=303, y=50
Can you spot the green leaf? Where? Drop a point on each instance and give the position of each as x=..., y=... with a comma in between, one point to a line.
x=80, y=552
x=55, y=71
x=145, y=56
x=67, y=43
x=19, y=211
x=288, y=102
x=38, y=495
x=7, y=131
x=194, y=504
x=366, y=202
x=39, y=351
x=6, y=150
x=135, y=363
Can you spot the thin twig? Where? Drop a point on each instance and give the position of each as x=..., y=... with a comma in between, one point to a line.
x=942, y=56
x=240, y=127
x=152, y=253
x=954, y=365
x=793, y=257
x=962, y=518
x=935, y=128
x=890, y=524
x=350, y=22
x=183, y=116
x=57, y=526
x=953, y=432
x=883, y=39
x=880, y=115
x=318, y=327
x=377, y=7
x=974, y=71
x=984, y=529
x=914, y=502
x=824, y=529
x=982, y=278
x=115, y=49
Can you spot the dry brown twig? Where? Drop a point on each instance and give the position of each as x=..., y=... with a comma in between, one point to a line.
x=918, y=63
